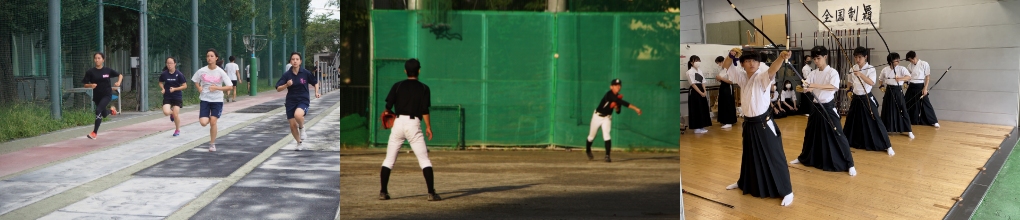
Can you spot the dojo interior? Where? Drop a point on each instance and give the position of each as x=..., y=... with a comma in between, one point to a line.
x=942, y=173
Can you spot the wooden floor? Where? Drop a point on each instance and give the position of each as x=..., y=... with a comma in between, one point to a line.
x=920, y=182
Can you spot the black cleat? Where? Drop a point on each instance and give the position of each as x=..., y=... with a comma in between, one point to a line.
x=607, y=159
x=590, y=157
x=384, y=196
x=434, y=197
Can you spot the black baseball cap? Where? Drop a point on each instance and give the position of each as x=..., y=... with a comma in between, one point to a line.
x=615, y=82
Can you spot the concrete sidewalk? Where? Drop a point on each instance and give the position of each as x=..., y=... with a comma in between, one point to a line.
x=73, y=143
x=156, y=176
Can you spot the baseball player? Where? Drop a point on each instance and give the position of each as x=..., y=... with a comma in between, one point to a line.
x=603, y=117
x=412, y=99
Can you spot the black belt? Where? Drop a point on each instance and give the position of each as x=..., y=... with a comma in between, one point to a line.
x=829, y=104
x=411, y=116
x=916, y=83
x=763, y=118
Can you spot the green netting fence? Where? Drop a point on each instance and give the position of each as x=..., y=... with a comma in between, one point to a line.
x=501, y=68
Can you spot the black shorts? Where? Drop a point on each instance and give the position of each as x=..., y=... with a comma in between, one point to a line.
x=233, y=82
x=173, y=102
x=292, y=108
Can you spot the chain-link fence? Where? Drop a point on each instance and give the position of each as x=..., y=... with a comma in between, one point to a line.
x=113, y=28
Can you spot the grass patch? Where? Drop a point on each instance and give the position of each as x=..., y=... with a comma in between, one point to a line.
x=26, y=119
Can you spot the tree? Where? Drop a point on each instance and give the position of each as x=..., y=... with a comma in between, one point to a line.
x=347, y=36
x=322, y=34
x=622, y=5
x=500, y=5
x=22, y=17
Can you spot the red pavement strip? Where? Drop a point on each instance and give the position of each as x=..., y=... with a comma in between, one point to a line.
x=18, y=161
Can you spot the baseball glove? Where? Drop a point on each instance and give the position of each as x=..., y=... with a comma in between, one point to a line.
x=387, y=119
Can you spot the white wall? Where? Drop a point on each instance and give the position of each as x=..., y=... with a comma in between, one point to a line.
x=690, y=22
x=979, y=38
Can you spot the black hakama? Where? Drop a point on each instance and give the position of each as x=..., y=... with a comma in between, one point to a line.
x=920, y=113
x=864, y=128
x=825, y=148
x=763, y=169
x=727, y=104
x=805, y=103
x=789, y=110
x=778, y=110
x=697, y=105
x=894, y=110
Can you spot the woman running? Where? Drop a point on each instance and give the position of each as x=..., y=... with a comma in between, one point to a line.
x=98, y=79
x=171, y=83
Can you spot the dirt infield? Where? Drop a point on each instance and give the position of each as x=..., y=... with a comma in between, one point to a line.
x=513, y=185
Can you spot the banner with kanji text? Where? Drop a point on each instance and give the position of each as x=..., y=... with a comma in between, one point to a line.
x=848, y=14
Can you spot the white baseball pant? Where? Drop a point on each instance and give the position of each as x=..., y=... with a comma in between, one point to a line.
x=606, y=123
x=406, y=129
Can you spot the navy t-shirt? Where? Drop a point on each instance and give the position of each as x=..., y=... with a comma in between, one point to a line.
x=298, y=91
x=170, y=81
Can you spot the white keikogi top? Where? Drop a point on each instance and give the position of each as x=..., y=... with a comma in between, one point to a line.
x=828, y=76
x=755, y=90
x=919, y=71
x=806, y=70
x=889, y=76
x=789, y=94
x=863, y=89
x=692, y=76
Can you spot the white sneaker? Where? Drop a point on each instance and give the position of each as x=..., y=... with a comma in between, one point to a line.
x=212, y=148
x=727, y=126
x=807, y=115
x=937, y=125
x=911, y=135
x=303, y=134
x=299, y=147
x=700, y=131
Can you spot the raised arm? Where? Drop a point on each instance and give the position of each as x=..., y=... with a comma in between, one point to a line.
x=726, y=63
x=778, y=63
